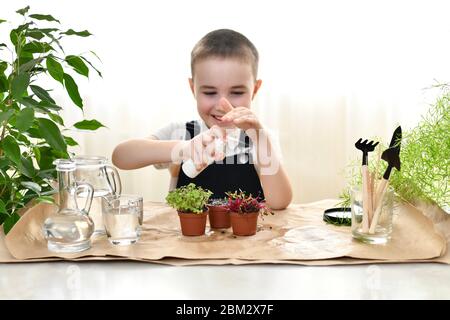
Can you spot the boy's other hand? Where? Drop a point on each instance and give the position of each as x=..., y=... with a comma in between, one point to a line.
x=243, y=118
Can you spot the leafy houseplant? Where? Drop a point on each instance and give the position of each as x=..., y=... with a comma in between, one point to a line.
x=219, y=216
x=190, y=202
x=244, y=211
x=32, y=131
x=425, y=159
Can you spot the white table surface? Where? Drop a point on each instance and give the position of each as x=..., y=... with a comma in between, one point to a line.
x=136, y=280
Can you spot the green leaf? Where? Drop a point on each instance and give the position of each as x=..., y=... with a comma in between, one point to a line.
x=11, y=149
x=72, y=90
x=4, y=162
x=55, y=69
x=4, y=116
x=10, y=222
x=2, y=45
x=3, y=66
x=37, y=154
x=47, y=104
x=19, y=85
x=24, y=119
x=23, y=10
x=24, y=58
x=3, y=217
x=33, y=186
x=51, y=134
x=29, y=102
x=37, y=47
x=47, y=31
x=46, y=199
x=42, y=93
x=29, y=65
x=88, y=125
x=26, y=167
x=70, y=141
x=45, y=17
x=99, y=73
x=2, y=207
x=71, y=32
x=1, y=20
x=78, y=65
x=3, y=83
x=35, y=35
x=56, y=118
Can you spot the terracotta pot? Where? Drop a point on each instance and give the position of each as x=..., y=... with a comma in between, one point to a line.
x=193, y=224
x=219, y=217
x=244, y=224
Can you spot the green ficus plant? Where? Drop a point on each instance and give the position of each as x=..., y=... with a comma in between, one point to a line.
x=189, y=198
x=32, y=132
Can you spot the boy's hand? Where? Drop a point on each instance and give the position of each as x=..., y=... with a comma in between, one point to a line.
x=241, y=117
x=202, y=148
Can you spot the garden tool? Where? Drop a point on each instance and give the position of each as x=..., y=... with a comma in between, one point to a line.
x=392, y=157
x=366, y=147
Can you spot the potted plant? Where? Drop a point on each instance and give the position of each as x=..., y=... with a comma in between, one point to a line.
x=219, y=216
x=190, y=202
x=32, y=131
x=244, y=211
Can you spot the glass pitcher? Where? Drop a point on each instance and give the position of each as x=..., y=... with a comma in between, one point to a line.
x=105, y=180
x=70, y=229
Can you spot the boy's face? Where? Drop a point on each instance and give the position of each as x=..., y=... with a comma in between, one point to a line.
x=217, y=78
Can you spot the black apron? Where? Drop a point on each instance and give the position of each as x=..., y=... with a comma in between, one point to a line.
x=226, y=175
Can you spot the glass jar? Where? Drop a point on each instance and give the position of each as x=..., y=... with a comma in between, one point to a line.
x=378, y=228
x=105, y=180
x=69, y=229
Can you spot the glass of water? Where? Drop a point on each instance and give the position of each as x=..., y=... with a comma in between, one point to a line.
x=122, y=217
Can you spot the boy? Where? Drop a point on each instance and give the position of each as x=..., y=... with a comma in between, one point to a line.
x=224, y=66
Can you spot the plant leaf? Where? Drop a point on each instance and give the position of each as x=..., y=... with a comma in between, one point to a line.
x=71, y=32
x=3, y=66
x=35, y=35
x=56, y=118
x=37, y=47
x=78, y=65
x=72, y=90
x=24, y=119
x=42, y=93
x=99, y=73
x=46, y=199
x=33, y=186
x=3, y=83
x=11, y=149
x=47, y=104
x=4, y=116
x=2, y=20
x=10, y=222
x=26, y=167
x=2, y=207
x=55, y=69
x=23, y=10
x=30, y=65
x=70, y=141
x=45, y=17
x=88, y=125
x=51, y=134
x=19, y=84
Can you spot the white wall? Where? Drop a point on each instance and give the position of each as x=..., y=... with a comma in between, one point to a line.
x=332, y=71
